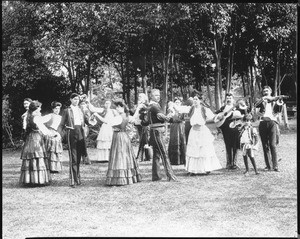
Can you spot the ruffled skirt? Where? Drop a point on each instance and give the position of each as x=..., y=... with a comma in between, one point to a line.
x=104, y=142
x=35, y=167
x=200, y=153
x=122, y=167
x=54, y=150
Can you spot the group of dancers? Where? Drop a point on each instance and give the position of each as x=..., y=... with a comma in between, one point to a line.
x=190, y=144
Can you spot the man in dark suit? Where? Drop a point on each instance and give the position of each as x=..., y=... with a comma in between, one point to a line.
x=26, y=104
x=230, y=135
x=73, y=120
x=156, y=120
x=269, y=107
x=87, y=113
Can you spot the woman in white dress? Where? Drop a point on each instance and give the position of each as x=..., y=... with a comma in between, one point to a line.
x=200, y=153
x=105, y=134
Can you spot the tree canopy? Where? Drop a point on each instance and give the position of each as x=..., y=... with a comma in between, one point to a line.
x=51, y=49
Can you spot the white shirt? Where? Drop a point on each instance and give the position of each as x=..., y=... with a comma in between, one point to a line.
x=197, y=117
x=24, y=116
x=56, y=119
x=38, y=120
x=78, y=117
x=116, y=120
x=246, y=137
x=269, y=111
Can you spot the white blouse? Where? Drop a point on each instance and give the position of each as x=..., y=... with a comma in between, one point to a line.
x=56, y=119
x=39, y=121
x=197, y=118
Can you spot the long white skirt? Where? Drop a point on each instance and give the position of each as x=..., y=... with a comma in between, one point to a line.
x=104, y=142
x=200, y=152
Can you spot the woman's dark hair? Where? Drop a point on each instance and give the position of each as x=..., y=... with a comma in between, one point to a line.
x=228, y=94
x=34, y=105
x=177, y=98
x=198, y=94
x=28, y=99
x=54, y=104
x=120, y=102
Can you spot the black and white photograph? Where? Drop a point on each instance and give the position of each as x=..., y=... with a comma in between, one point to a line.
x=149, y=119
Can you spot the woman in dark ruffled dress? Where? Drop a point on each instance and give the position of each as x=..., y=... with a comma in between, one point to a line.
x=122, y=166
x=53, y=144
x=177, y=142
x=35, y=167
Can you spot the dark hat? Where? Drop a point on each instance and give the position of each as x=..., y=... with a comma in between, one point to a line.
x=267, y=87
x=73, y=95
x=34, y=105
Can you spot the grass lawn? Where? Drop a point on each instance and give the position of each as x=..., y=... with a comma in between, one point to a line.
x=222, y=204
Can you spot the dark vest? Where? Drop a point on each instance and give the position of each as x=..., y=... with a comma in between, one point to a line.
x=152, y=114
x=203, y=111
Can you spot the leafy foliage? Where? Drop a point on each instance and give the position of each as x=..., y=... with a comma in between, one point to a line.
x=52, y=49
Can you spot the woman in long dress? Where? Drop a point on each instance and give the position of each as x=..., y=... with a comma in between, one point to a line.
x=177, y=142
x=200, y=153
x=122, y=166
x=35, y=166
x=104, y=138
x=53, y=144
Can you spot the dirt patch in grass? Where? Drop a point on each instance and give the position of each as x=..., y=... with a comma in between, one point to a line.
x=222, y=204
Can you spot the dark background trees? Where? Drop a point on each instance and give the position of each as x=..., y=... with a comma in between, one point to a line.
x=51, y=49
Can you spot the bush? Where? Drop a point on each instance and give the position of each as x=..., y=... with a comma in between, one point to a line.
x=7, y=140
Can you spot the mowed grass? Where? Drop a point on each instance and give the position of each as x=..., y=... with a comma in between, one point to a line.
x=222, y=204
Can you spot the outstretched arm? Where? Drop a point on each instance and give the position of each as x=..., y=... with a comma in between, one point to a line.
x=94, y=109
x=116, y=120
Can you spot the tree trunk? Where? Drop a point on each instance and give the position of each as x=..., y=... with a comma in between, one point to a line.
x=244, y=86
x=285, y=117
x=218, y=80
x=257, y=70
x=230, y=54
x=152, y=70
x=70, y=74
x=171, y=78
x=166, y=61
x=123, y=78
x=218, y=85
x=250, y=86
x=135, y=88
x=208, y=90
x=128, y=83
x=144, y=81
x=277, y=77
x=88, y=73
x=253, y=75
